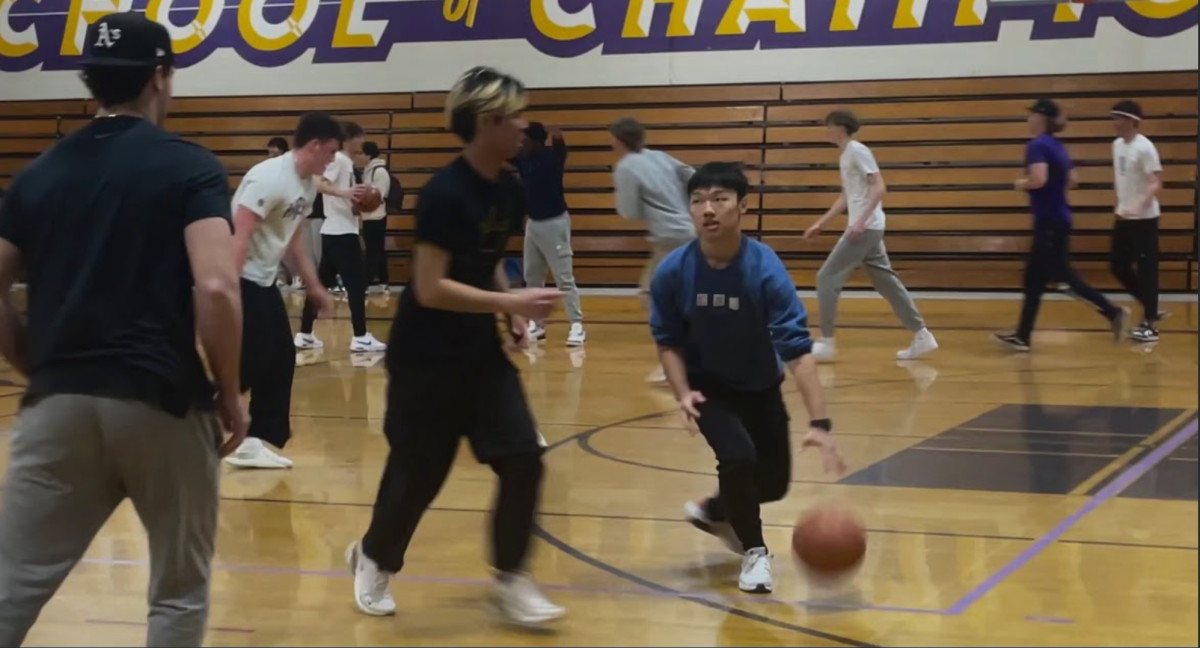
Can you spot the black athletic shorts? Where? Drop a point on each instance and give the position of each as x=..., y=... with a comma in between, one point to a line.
x=440, y=404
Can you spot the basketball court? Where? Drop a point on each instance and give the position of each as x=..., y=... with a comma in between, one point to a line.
x=1039, y=499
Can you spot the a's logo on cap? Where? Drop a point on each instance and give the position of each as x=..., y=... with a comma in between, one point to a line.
x=107, y=37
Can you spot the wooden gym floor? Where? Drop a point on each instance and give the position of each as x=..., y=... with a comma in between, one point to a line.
x=1041, y=499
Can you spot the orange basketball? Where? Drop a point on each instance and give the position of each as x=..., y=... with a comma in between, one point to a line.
x=829, y=541
x=370, y=201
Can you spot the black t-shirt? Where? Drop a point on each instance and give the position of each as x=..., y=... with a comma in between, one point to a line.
x=100, y=220
x=472, y=218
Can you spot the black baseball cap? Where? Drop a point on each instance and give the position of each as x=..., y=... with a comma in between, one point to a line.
x=1046, y=107
x=1129, y=109
x=127, y=39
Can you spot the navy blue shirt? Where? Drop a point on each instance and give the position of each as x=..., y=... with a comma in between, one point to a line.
x=737, y=325
x=1049, y=203
x=542, y=174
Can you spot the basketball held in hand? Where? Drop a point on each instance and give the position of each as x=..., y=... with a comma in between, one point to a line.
x=370, y=200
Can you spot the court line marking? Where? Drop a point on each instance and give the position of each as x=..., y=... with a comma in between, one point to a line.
x=1125, y=479
x=1129, y=455
x=550, y=538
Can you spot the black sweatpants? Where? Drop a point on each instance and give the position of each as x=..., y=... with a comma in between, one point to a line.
x=1049, y=260
x=268, y=362
x=748, y=432
x=375, y=237
x=341, y=255
x=429, y=410
x=1134, y=261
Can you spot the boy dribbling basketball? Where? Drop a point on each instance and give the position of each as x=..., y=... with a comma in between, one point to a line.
x=727, y=320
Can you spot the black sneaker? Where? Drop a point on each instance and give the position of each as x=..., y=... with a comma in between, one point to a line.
x=1011, y=341
x=1144, y=333
x=1119, y=323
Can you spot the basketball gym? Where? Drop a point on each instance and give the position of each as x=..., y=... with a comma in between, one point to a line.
x=1047, y=498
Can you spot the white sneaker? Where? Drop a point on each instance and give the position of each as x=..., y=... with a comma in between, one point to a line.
x=253, y=453
x=693, y=512
x=366, y=344
x=537, y=332
x=756, y=572
x=307, y=341
x=519, y=601
x=577, y=336
x=923, y=343
x=824, y=349
x=658, y=376
x=372, y=594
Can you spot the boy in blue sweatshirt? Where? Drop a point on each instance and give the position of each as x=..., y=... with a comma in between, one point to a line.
x=727, y=321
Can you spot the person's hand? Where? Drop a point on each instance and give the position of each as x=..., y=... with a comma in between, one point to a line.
x=824, y=443
x=322, y=300
x=688, y=409
x=518, y=333
x=1020, y=185
x=856, y=230
x=812, y=232
x=358, y=191
x=235, y=419
x=534, y=303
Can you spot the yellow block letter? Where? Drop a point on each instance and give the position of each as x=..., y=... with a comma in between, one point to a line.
x=971, y=13
x=555, y=22
x=1162, y=10
x=846, y=15
x=788, y=16
x=684, y=15
x=270, y=37
x=910, y=14
x=15, y=43
x=352, y=30
x=189, y=36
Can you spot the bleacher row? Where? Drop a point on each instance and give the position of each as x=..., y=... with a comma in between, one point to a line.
x=949, y=150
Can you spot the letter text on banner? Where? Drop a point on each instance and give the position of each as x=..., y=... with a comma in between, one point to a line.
x=271, y=37
x=788, y=16
x=352, y=30
x=555, y=22
x=187, y=37
x=15, y=43
x=684, y=16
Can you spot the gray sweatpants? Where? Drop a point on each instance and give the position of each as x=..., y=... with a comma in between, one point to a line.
x=548, y=245
x=72, y=460
x=867, y=250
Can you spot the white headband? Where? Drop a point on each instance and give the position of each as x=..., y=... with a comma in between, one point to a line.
x=1121, y=113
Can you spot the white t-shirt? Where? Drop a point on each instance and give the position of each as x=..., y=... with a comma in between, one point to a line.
x=274, y=192
x=339, y=212
x=1133, y=164
x=856, y=165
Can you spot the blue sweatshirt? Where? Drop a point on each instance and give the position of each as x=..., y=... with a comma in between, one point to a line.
x=737, y=325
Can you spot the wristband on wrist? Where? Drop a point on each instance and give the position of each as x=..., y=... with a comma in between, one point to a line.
x=822, y=424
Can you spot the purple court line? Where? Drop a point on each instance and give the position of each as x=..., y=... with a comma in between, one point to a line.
x=607, y=591
x=1114, y=488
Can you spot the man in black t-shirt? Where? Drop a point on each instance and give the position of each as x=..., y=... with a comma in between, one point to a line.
x=449, y=375
x=113, y=227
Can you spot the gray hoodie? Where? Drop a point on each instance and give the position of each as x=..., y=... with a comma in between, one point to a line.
x=652, y=186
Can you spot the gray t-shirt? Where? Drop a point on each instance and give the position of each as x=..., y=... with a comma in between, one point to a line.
x=652, y=186
x=274, y=192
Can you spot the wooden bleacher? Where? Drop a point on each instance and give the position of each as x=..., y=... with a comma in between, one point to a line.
x=949, y=148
